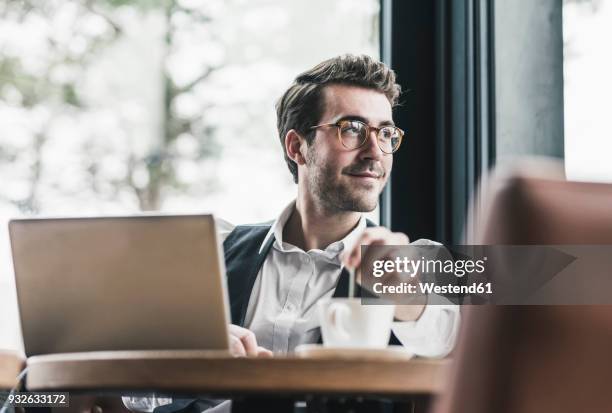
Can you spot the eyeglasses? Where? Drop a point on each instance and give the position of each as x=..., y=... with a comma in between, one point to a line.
x=354, y=134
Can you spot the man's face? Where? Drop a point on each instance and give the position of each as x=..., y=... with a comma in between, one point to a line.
x=348, y=179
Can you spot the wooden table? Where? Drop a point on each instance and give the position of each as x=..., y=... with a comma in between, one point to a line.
x=217, y=374
x=214, y=372
x=11, y=365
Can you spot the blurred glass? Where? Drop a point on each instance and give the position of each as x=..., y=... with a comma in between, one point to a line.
x=119, y=106
x=587, y=30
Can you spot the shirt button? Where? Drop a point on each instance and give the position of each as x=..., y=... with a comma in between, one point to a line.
x=290, y=307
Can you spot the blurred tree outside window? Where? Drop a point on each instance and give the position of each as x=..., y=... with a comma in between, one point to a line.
x=121, y=106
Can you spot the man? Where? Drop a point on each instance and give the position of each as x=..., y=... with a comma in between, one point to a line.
x=338, y=137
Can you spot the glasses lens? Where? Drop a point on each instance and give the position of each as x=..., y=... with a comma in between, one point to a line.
x=353, y=133
x=389, y=139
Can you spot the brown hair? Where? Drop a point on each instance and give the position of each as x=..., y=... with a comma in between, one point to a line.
x=301, y=106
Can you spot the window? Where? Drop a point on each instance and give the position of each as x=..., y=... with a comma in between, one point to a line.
x=588, y=89
x=116, y=106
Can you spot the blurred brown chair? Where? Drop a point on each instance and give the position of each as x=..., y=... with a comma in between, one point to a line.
x=533, y=204
x=536, y=358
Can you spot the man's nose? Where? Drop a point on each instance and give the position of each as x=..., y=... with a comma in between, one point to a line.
x=370, y=149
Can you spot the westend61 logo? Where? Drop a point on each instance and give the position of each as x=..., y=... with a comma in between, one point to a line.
x=412, y=268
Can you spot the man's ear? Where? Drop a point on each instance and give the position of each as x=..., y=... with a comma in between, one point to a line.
x=294, y=143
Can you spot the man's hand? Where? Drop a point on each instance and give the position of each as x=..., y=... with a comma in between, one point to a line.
x=352, y=258
x=244, y=344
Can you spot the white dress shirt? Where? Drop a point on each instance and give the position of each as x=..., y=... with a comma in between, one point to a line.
x=282, y=306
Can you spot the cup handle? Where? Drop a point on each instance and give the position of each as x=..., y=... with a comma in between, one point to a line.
x=337, y=315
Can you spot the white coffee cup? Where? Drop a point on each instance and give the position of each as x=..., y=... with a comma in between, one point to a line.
x=346, y=322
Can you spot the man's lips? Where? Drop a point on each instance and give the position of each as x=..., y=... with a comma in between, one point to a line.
x=366, y=174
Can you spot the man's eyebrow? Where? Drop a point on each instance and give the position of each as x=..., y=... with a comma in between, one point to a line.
x=364, y=120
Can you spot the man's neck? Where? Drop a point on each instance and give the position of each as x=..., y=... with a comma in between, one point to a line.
x=311, y=227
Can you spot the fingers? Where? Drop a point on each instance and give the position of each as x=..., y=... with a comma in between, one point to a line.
x=244, y=343
x=353, y=259
x=263, y=352
x=236, y=347
x=372, y=236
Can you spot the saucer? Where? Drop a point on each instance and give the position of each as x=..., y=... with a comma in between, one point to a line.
x=321, y=352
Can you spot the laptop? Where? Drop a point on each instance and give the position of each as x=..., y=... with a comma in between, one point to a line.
x=120, y=283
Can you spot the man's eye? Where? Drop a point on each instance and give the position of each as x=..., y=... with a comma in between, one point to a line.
x=352, y=128
x=388, y=133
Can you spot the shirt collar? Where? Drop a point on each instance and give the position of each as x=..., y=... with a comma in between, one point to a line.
x=276, y=230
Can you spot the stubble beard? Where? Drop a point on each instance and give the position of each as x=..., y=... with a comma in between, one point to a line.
x=337, y=196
